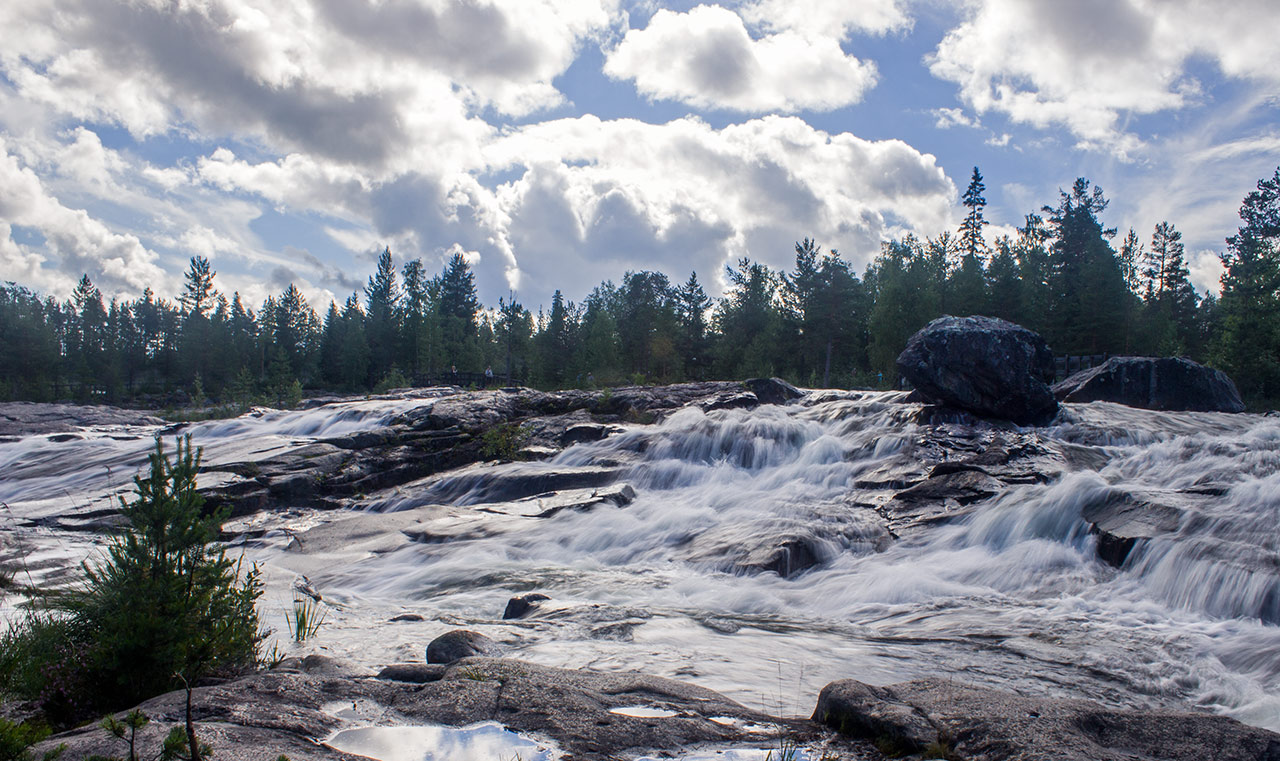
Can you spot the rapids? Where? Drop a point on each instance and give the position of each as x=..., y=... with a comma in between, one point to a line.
x=1008, y=592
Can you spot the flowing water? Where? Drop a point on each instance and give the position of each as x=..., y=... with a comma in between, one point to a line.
x=1010, y=594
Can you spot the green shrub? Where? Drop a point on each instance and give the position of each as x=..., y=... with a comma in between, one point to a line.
x=504, y=442
x=163, y=609
x=393, y=379
x=16, y=741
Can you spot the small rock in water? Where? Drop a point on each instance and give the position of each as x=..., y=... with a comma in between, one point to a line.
x=408, y=617
x=520, y=605
x=461, y=643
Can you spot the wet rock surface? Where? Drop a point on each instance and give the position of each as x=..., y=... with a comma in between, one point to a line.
x=989, y=725
x=1164, y=383
x=445, y=432
x=983, y=365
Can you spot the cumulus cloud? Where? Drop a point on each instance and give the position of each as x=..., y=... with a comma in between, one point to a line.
x=391, y=123
x=374, y=84
x=682, y=195
x=76, y=242
x=827, y=18
x=1088, y=65
x=707, y=58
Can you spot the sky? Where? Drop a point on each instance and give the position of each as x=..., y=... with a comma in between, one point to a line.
x=559, y=143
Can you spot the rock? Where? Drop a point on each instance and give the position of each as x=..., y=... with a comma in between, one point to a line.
x=265, y=715
x=582, y=432
x=982, y=365
x=964, y=486
x=407, y=617
x=874, y=713
x=786, y=556
x=417, y=673
x=1166, y=383
x=1120, y=519
x=28, y=418
x=520, y=605
x=980, y=723
x=739, y=401
x=458, y=644
x=773, y=390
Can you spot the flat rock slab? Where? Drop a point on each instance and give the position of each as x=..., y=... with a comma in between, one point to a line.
x=32, y=418
x=262, y=716
x=979, y=724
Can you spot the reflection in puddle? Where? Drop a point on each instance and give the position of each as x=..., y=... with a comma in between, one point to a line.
x=744, y=725
x=489, y=741
x=737, y=754
x=643, y=712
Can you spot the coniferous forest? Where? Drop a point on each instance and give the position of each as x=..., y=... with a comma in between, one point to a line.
x=1087, y=289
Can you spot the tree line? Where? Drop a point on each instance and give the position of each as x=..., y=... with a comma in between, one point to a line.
x=1063, y=274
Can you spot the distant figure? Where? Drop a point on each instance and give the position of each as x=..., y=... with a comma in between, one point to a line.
x=591, y=380
x=880, y=380
x=453, y=371
x=488, y=376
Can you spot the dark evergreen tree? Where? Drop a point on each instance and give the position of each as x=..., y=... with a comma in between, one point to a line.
x=691, y=311
x=646, y=323
x=458, y=309
x=1249, y=310
x=749, y=320
x=972, y=243
x=381, y=325
x=1004, y=282
x=1088, y=297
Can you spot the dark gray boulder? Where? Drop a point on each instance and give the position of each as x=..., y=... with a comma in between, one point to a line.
x=983, y=365
x=458, y=644
x=1153, y=383
x=773, y=390
x=978, y=723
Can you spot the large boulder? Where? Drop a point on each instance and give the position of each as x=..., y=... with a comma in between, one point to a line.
x=961, y=721
x=458, y=644
x=983, y=365
x=1153, y=383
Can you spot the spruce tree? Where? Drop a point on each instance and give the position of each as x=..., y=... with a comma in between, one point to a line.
x=382, y=309
x=971, y=240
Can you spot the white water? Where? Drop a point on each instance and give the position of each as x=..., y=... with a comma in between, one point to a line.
x=1011, y=596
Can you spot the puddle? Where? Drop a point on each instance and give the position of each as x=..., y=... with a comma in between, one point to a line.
x=724, y=754
x=643, y=712
x=744, y=725
x=489, y=741
x=739, y=754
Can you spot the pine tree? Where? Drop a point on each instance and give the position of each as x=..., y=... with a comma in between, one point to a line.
x=1132, y=254
x=382, y=309
x=166, y=606
x=971, y=241
x=198, y=293
x=691, y=309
